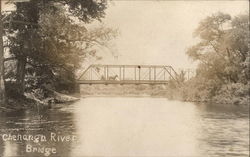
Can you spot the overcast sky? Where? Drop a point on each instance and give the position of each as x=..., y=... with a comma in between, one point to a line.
x=159, y=32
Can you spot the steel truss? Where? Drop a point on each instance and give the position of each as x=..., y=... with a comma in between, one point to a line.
x=128, y=74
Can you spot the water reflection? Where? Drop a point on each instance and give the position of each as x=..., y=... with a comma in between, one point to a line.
x=225, y=130
x=27, y=133
x=10, y=149
x=130, y=126
x=136, y=127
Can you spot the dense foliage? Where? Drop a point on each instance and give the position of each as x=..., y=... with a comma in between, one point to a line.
x=48, y=40
x=223, y=55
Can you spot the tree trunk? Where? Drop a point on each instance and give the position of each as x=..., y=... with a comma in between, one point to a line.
x=2, y=86
x=2, y=90
x=21, y=64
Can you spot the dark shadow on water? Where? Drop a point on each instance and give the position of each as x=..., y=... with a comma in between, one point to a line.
x=225, y=111
x=224, y=129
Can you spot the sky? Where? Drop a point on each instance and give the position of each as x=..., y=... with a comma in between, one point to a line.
x=159, y=32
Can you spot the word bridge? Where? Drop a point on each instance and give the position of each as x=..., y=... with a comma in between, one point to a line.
x=128, y=74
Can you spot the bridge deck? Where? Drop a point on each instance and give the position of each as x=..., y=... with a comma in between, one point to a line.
x=122, y=82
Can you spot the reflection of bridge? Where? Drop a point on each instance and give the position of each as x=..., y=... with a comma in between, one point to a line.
x=128, y=74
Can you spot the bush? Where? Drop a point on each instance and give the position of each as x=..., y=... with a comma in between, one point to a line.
x=234, y=93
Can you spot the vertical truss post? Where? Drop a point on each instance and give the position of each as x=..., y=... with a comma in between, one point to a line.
x=107, y=72
x=135, y=73
x=123, y=72
x=154, y=73
x=120, y=73
x=91, y=72
x=149, y=72
x=139, y=73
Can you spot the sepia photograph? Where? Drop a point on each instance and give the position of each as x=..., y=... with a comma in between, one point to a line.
x=124, y=78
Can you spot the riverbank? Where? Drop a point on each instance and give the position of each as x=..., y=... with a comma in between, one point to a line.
x=139, y=90
x=233, y=93
x=182, y=92
x=185, y=93
x=32, y=101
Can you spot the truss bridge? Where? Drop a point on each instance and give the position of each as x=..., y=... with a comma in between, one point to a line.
x=128, y=74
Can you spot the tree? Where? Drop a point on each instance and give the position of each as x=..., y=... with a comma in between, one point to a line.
x=63, y=48
x=222, y=52
x=2, y=86
x=223, y=46
x=51, y=48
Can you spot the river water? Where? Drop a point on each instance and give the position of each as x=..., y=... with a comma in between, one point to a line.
x=127, y=126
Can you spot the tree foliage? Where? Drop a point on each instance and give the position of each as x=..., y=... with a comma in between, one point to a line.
x=222, y=52
x=48, y=38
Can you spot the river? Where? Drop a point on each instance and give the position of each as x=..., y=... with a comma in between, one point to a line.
x=127, y=126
